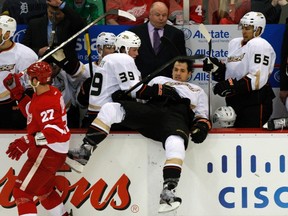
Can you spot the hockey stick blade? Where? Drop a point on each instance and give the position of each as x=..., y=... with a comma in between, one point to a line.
x=157, y=71
x=203, y=30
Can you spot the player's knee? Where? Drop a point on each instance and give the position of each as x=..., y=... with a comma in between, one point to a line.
x=21, y=197
x=174, y=147
x=111, y=113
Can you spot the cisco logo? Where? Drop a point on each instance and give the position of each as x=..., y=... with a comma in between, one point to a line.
x=250, y=196
x=239, y=162
x=187, y=33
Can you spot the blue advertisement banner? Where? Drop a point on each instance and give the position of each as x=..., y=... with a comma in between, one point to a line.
x=273, y=33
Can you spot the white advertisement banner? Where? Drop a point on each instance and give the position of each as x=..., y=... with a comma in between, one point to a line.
x=230, y=174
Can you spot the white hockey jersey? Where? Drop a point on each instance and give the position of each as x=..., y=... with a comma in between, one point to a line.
x=116, y=71
x=198, y=97
x=256, y=60
x=13, y=60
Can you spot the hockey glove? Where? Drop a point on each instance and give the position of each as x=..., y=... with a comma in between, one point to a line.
x=224, y=88
x=83, y=95
x=219, y=73
x=148, y=92
x=69, y=63
x=199, y=130
x=13, y=85
x=120, y=95
x=232, y=86
x=20, y=146
x=207, y=66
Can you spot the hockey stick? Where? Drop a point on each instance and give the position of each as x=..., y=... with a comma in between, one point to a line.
x=203, y=30
x=157, y=71
x=88, y=45
x=110, y=12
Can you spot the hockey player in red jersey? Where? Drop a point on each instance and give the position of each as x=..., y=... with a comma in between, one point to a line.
x=46, y=142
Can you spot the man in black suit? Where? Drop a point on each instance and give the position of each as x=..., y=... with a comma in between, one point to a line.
x=172, y=41
x=62, y=20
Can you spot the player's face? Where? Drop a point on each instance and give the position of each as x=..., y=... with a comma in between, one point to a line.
x=133, y=52
x=247, y=32
x=158, y=15
x=180, y=72
x=108, y=49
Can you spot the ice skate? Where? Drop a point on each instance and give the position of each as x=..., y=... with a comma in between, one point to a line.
x=277, y=123
x=78, y=157
x=168, y=200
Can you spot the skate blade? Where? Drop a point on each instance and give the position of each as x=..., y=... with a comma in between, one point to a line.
x=167, y=208
x=75, y=165
x=265, y=126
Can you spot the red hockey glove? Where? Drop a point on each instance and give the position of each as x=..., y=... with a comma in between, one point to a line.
x=20, y=146
x=13, y=85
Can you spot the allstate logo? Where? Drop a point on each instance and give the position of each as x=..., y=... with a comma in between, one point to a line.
x=277, y=76
x=188, y=51
x=187, y=33
x=17, y=37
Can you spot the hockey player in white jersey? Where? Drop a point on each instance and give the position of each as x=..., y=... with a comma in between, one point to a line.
x=107, y=78
x=175, y=108
x=243, y=80
x=105, y=43
x=14, y=57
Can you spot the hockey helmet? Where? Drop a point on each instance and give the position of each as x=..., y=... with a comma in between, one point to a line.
x=255, y=19
x=105, y=38
x=127, y=39
x=7, y=23
x=225, y=115
x=42, y=71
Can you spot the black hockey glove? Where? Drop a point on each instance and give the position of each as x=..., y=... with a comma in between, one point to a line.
x=83, y=95
x=199, y=130
x=120, y=95
x=219, y=74
x=207, y=66
x=232, y=86
x=148, y=92
x=224, y=88
x=69, y=63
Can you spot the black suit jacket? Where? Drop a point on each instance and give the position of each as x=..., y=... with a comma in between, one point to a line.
x=172, y=45
x=36, y=33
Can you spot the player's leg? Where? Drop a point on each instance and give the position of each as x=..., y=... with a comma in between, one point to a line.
x=109, y=114
x=52, y=202
x=175, y=154
x=24, y=202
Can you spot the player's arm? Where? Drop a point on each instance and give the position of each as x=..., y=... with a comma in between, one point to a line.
x=200, y=122
x=261, y=61
x=17, y=92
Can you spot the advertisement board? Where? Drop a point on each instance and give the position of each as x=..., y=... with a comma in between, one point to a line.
x=230, y=174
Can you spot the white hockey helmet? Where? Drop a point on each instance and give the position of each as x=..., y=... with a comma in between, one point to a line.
x=225, y=115
x=7, y=23
x=255, y=19
x=127, y=39
x=105, y=38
